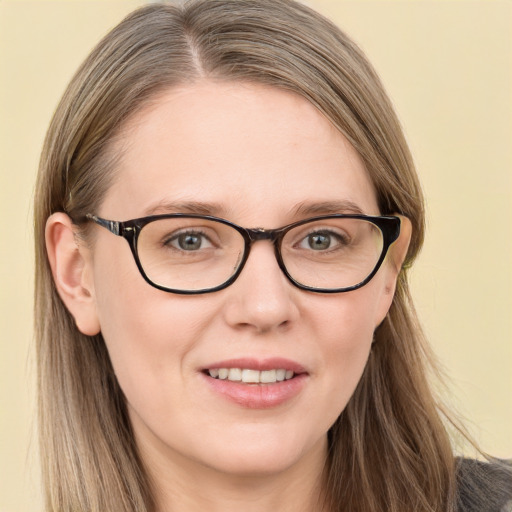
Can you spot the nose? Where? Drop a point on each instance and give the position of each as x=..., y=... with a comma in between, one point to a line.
x=261, y=299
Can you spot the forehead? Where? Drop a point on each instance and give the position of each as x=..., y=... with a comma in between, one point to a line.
x=242, y=147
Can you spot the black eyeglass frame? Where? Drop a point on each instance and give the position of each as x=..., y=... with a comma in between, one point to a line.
x=130, y=230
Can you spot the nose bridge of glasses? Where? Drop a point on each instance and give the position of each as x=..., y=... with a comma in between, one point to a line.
x=273, y=236
x=258, y=234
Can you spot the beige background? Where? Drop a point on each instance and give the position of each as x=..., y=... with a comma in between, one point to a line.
x=447, y=66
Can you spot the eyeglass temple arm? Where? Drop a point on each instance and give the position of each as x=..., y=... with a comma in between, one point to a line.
x=112, y=225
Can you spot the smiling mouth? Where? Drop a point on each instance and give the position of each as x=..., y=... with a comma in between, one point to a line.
x=249, y=376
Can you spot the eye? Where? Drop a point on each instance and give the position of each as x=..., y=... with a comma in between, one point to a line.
x=322, y=241
x=189, y=241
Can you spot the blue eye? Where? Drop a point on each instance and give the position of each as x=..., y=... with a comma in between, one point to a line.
x=189, y=241
x=321, y=241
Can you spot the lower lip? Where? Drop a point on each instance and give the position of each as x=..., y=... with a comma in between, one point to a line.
x=258, y=396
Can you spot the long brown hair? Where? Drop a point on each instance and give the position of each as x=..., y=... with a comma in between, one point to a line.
x=389, y=449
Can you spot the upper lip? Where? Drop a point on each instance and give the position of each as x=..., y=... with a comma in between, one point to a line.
x=250, y=363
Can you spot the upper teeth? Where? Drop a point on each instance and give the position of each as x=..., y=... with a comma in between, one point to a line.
x=251, y=376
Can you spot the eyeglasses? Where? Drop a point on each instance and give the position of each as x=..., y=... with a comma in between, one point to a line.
x=191, y=254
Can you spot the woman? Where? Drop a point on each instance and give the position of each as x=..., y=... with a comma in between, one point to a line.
x=254, y=344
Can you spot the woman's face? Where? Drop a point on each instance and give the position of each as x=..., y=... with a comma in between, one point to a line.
x=259, y=157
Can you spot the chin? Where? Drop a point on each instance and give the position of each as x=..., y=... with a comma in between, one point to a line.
x=255, y=466
x=265, y=454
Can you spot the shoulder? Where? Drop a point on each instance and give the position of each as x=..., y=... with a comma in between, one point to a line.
x=484, y=486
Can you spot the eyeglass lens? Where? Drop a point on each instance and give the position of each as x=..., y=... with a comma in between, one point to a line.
x=197, y=254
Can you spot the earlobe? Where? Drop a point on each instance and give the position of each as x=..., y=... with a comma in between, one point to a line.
x=72, y=272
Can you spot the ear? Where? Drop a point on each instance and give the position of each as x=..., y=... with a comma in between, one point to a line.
x=71, y=266
x=398, y=250
x=392, y=266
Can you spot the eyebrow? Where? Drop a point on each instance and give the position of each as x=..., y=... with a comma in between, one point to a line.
x=327, y=208
x=192, y=207
x=302, y=209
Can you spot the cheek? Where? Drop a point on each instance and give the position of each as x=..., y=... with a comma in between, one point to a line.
x=347, y=321
x=148, y=333
x=345, y=327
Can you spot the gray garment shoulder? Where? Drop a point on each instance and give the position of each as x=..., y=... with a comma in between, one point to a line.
x=484, y=486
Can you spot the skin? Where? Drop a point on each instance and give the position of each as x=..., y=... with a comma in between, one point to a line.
x=239, y=146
